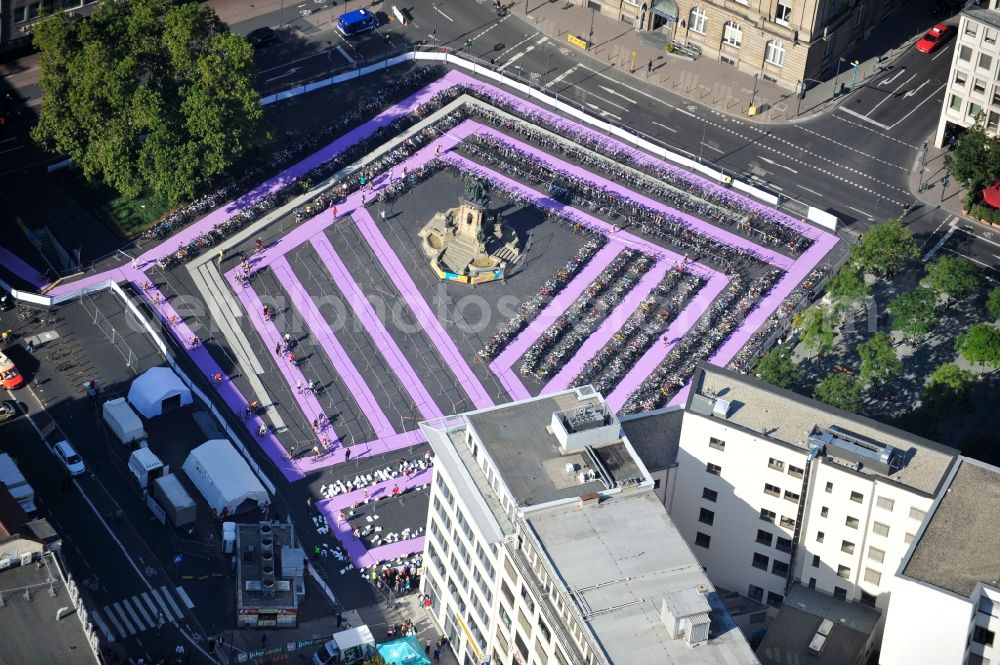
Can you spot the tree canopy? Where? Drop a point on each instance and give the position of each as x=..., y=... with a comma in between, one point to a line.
x=841, y=391
x=914, y=313
x=777, y=367
x=848, y=284
x=884, y=248
x=878, y=359
x=148, y=96
x=948, y=385
x=817, y=328
x=975, y=161
x=980, y=345
x=993, y=303
x=952, y=275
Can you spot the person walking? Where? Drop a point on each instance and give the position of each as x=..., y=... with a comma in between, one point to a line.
x=381, y=213
x=298, y=387
x=312, y=386
x=347, y=454
x=649, y=67
x=427, y=646
x=437, y=653
x=277, y=349
x=222, y=253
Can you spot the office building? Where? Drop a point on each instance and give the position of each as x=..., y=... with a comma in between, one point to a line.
x=945, y=605
x=546, y=543
x=17, y=17
x=973, y=88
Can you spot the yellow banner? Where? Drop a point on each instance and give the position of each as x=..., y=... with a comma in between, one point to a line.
x=576, y=41
x=472, y=641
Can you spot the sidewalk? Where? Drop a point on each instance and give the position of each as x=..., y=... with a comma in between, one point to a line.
x=710, y=82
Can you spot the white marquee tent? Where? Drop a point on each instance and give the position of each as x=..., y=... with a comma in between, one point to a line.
x=223, y=477
x=156, y=388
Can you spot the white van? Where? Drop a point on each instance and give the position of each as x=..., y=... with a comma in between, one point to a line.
x=124, y=423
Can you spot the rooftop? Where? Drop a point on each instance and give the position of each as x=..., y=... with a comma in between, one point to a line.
x=527, y=453
x=655, y=435
x=618, y=581
x=786, y=416
x=987, y=16
x=262, y=579
x=22, y=621
x=789, y=636
x=966, y=514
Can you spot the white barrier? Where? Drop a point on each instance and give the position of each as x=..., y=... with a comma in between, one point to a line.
x=823, y=218
x=34, y=298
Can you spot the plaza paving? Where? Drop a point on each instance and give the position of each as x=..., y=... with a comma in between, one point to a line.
x=379, y=365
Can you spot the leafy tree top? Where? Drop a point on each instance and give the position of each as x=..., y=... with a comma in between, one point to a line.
x=914, y=313
x=948, y=384
x=147, y=95
x=952, y=275
x=816, y=326
x=848, y=284
x=993, y=303
x=841, y=391
x=980, y=345
x=884, y=248
x=975, y=162
x=777, y=367
x=878, y=359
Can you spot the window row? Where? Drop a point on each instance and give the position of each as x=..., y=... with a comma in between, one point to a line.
x=773, y=599
x=761, y=561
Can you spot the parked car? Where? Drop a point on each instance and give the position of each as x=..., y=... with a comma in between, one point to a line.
x=934, y=38
x=10, y=377
x=8, y=411
x=261, y=37
x=357, y=21
x=69, y=458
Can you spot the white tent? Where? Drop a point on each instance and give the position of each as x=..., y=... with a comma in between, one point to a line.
x=156, y=386
x=223, y=477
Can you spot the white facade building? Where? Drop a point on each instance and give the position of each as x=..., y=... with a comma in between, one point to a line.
x=547, y=544
x=772, y=489
x=945, y=605
x=973, y=89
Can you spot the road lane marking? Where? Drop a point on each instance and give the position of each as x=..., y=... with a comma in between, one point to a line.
x=140, y=624
x=940, y=243
x=561, y=76
x=186, y=598
x=924, y=101
x=438, y=10
x=774, y=163
x=616, y=93
x=890, y=95
x=863, y=212
x=96, y=616
x=142, y=610
x=941, y=52
x=602, y=111
x=163, y=606
x=170, y=599
x=114, y=620
x=917, y=89
x=975, y=260
x=811, y=191
x=864, y=118
x=121, y=615
x=712, y=147
x=660, y=124
x=153, y=608
x=972, y=232
x=343, y=52
x=893, y=77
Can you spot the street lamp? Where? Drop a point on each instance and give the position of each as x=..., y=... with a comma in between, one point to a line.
x=753, y=95
x=437, y=13
x=385, y=47
x=590, y=37
x=836, y=79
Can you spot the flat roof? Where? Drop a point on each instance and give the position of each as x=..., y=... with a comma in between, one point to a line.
x=528, y=457
x=960, y=544
x=987, y=16
x=23, y=621
x=618, y=560
x=786, y=416
x=250, y=567
x=655, y=436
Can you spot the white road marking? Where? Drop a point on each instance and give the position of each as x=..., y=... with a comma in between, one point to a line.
x=170, y=599
x=864, y=118
x=516, y=57
x=635, y=90
x=863, y=212
x=186, y=598
x=166, y=610
x=940, y=53
x=972, y=232
x=96, y=616
x=135, y=617
x=712, y=147
x=774, y=163
x=561, y=76
x=602, y=111
x=893, y=77
x=616, y=93
x=587, y=94
x=153, y=608
x=13, y=138
x=666, y=127
x=913, y=110
x=890, y=95
x=124, y=618
x=934, y=232
x=940, y=243
x=11, y=149
x=438, y=10
x=116, y=622
x=974, y=260
x=281, y=76
x=811, y=191
x=142, y=610
x=917, y=89
x=343, y=52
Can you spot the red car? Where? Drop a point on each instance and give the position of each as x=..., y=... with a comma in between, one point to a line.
x=934, y=38
x=10, y=378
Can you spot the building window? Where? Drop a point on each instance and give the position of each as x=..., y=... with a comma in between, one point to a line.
x=812, y=582
x=794, y=471
x=990, y=37
x=960, y=78
x=767, y=515
x=702, y=539
x=993, y=121
x=996, y=95
x=764, y=537
x=787, y=522
x=884, y=503
x=917, y=514
x=815, y=561
x=544, y=630
x=776, y=464
x=840, y=593
x=708, y=494
x=843, y=571
x=851, y=522
x=783, y=545
x=908, y=538
x=875, y=554
x=979, y=86
x=824, y=511
x=714, y=469
x=857, y=497
x=20, y=14
x=779, y=568
x=760, y=561
x=880, y=529
x=706, y=516
x=983, y=636
x=847, y=546
x=773, y=490
x=791, y=496
x=784, y=12
x=820, y=536
x=698, y=20
x=970, y=28
x=955, y=103
x=718, y=444
x=873, y=576
x=964, y=53
x=731, y=34
x=775, y=599
x=755, y=593
x=829, y=488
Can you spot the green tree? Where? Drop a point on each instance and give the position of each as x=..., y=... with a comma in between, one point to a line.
x=884, y=249
x=848, y=285
x=953, y=276
x=948, y=385
x=377, y=659
x=816, y=325
x=777, y=367
x=993, y=303
x=975, y=162
x=878, y=359
x=841, y=391
x=980, y=345
x=914, y=313
x=148, y=96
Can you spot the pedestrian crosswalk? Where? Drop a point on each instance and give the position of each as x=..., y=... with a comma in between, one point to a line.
x=135, y=614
